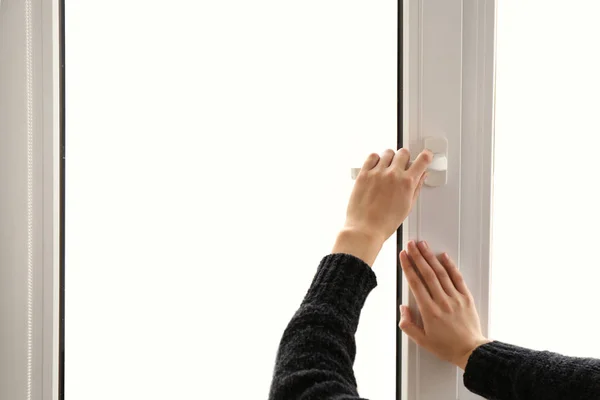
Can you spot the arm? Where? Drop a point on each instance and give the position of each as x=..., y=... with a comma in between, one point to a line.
x=316, y=353
x=494, y=370
x=502, y=371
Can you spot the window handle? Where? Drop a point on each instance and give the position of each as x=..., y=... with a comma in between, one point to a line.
x=439, y=163
x=438, y=169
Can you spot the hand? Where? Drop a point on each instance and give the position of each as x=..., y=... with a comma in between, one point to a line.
x=451, y=328
x=383, y=195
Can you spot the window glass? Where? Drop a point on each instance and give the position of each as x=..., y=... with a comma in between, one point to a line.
x=209, y=147
x=545, y=271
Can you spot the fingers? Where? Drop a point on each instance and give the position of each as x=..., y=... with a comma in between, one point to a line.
x=386, y=158
x=419, y=186
x=416, y=285
x=438, y=268
x=427, y=272
x=401, y=160
x=421, y=163
x=454, y=274
x=408, y=326
x=370, y=162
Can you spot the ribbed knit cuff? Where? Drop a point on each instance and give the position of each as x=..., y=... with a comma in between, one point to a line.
x=343, y=281
x=490, y=366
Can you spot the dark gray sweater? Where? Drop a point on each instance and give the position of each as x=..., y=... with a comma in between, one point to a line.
x=317, y=350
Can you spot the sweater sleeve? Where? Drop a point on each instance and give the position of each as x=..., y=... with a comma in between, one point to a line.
x=499, y=371
x=316, y=353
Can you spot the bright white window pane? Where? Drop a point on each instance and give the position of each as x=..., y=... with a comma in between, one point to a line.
x=209, y=147
x=545, y=238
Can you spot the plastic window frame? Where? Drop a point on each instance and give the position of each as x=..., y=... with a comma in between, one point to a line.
x=448, y=75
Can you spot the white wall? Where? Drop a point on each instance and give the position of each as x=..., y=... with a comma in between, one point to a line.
x=209, y=147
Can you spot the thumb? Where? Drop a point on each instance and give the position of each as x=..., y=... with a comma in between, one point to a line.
x=408, y=326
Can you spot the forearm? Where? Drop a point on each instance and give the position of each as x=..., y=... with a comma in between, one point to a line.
x=499, y=371
x=316, y=354
x=359, y=244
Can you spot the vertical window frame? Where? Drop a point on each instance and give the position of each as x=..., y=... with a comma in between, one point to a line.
x=33, y=117
x=448, y=91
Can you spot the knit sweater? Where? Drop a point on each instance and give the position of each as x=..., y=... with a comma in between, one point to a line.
x=316, y=354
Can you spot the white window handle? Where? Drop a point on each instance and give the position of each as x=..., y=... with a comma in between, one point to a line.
x=439, y=163
x=438, y=169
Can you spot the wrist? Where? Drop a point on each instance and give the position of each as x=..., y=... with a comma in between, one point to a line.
x=464, y=360
x=359, y=244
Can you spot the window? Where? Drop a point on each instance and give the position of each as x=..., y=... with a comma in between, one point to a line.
x=209, y=147
x=544, y=272
x=207, y=171
x=196, y=137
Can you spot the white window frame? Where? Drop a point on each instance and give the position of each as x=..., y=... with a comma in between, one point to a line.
x=30, y=249
x=448, y=76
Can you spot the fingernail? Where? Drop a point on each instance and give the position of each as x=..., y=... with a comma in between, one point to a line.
x=424, y=244
x=445, y=255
